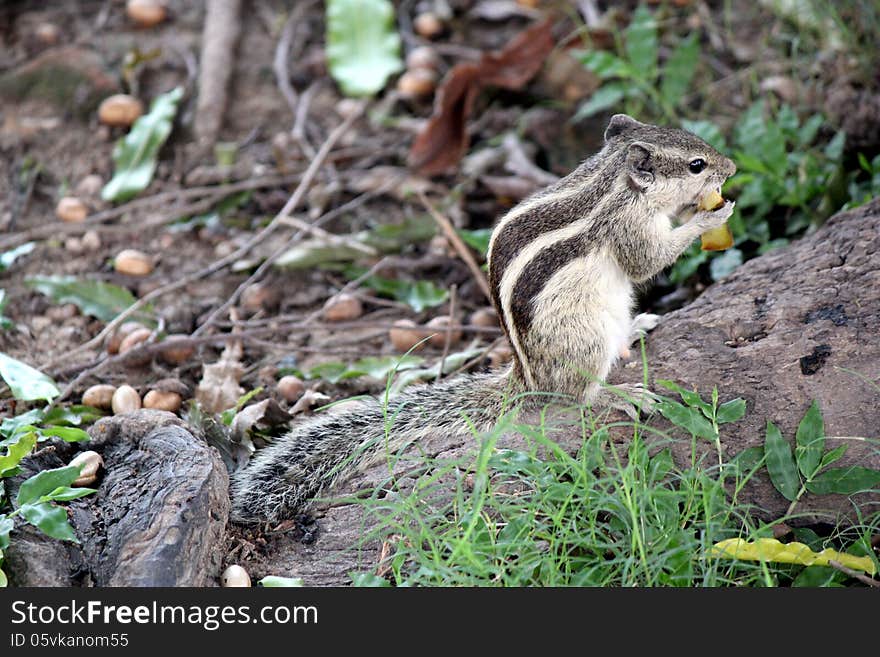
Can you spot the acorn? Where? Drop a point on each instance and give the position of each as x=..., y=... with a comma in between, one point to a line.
x=163, y=400
x=343, y=307
x=439, y=331
x=716, y=239
x=120, y=334
x=120, y=110
x=89, y=462
x=423, y=57
x=99, y=395
x=125, y=400
x=428, y=25
x=290, y=388
x=71, y=210
x=146, y=13
x=484, y=318
x=405, y=335
x=133, y=263
x=176, y=349
x=235, y=576
x=417, y=83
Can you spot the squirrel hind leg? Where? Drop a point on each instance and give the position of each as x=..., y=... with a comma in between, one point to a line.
x=266, y=490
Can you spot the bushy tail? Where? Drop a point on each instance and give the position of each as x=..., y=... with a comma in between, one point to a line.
x=281, y=478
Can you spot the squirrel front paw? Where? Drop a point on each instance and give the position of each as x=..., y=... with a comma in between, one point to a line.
x=709, y=219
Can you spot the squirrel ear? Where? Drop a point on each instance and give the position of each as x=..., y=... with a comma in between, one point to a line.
x=619, y=124
x=639, y=165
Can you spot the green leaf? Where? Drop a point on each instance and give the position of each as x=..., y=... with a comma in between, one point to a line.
x=780, y=463
x=640, y=43
x=13, y=425
x=135, y=155
x=832, y=456
x=689, y=397
x=679, y=70
x=65, y=494
x=725, y=263
x=273, y=581
x=818, y=576
x=368, y=579
x=3, y=581
x=97, y=298
x=9, y=257
x=810, y=441
x=5, y=322
x=686, y=418
x=603, y=98
x=380, y=367
x=423, y=294
x=6, y=525
x=363, y=47
x=451, y=363
x=49, y=519
x=605, y=65
x=73, y=415
x=844, y=481
x=731, y=411
x=477, y=239
x=67, y=434
x=25, y=382
x=45, y=482
x=16, y=451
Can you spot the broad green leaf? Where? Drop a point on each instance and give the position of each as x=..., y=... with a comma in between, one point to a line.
x=605, y=97
x=380, y=367
x=808, y=131
x=810, y=441
x=25, y=382
x=731, y=411
x=67, y=434
x=24, y=422
x=367, y=579
x=15, y=452
x=6, y=525
x=45, y=482
x=477, y=239
x=844, y=481
x=451, y=363
x=606, y=65
x=5, y=322
x=770, y=549
x=725, y=263
x=424, y=294
x=363, y=47
x=97, y=298
x=686, y=418
x=275, y=581
x=135, y=155
x=640, y=43
x=679, y=70
x=66, y=493
x=780, y=463
x=818, y=576
x=8, y=257
x=689, y=397
x=73, y=415
x=831, y=456
x=49, y=519
x=3, y=581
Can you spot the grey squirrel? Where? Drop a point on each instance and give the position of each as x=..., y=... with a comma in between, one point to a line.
x=562, y=265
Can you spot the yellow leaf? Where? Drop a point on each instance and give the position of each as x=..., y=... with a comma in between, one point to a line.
x=769, y=549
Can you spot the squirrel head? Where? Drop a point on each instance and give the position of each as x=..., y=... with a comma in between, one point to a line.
x=671, y=168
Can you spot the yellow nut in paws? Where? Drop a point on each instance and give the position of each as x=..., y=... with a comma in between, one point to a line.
x=717, y=239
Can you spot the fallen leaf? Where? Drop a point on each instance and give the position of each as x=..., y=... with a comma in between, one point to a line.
x=444, y=140
x=219, y=388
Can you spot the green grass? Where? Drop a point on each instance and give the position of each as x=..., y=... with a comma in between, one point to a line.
x=604, y=515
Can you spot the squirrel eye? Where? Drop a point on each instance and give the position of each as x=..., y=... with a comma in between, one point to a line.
x=696, y=166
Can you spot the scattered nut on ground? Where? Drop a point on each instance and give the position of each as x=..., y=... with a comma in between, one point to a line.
x=235, y=576
x=120, y=110
x=417, y=83
x=71, y=210
x=176, y=349
x=133, y=263
x=125, y=400
x=99, y=396
x=343, y=307
x=290, y=388
x=424, y=57
x=484, y=317
x=405, y=335
x=163, y=400
x=428, y=25
x=89, y=463
x=120, y=334
x=146, y=13
x=438, y=327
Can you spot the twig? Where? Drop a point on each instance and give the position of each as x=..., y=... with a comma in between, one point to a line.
x=282, y=50
x=447, y=338
x=330, y=238
x=222, y=26
x=459, y=246
x=864, y=579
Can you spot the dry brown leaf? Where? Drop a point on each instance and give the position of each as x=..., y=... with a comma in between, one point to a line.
x=444, y=140
x=219, y=388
